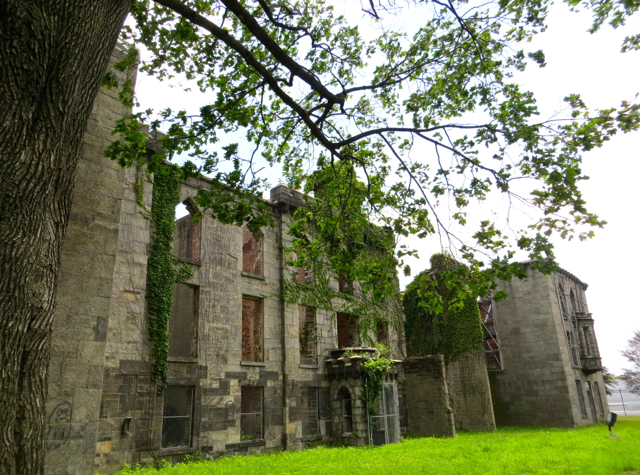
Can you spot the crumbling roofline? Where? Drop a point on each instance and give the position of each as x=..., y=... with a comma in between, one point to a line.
x=564, y=272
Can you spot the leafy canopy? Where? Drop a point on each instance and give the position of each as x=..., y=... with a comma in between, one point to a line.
x=420, y=116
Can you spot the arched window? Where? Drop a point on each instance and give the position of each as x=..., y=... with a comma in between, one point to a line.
x=344, y=396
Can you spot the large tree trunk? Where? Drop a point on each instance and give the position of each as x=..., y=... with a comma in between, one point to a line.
x=52, y=56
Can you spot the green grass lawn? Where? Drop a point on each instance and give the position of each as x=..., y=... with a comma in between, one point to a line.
x=507, y=451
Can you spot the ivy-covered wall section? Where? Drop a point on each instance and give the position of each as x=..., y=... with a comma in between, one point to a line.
x=438, y=318
x=334, y=238
x=162, y=271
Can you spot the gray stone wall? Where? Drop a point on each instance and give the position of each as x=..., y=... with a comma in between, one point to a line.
x=218, y=372
x=103, y=409
x=470, y=393
x=427, y=398
x=84, y=295
x=538, y=384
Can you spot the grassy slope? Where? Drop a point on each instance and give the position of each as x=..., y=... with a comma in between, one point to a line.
x=508, y=451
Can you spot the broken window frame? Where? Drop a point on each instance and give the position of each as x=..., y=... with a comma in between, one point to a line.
x=256, y=242
x=192, y=249
x=188, y=414
x=244, y=415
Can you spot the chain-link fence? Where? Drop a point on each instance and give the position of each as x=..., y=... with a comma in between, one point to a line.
x=623, y=402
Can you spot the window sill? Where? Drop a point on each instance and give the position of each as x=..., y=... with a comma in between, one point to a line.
x=252, y=276
x=176, y=450
x=310, y=438
x=252, y=363
x=309, y=366
x=182, y=359
x=252, y=443
x=189, y=261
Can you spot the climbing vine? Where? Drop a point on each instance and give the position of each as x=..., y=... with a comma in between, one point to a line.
x=333, y=237
x=440, y=318
x=161, y=268
x=375, y=373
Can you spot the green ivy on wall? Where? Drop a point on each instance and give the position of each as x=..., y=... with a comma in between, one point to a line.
x=375, y=372
x=161, y=268
x=440, y=318
x=333, y=235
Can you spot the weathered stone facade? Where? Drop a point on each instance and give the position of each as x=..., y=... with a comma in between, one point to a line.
x=84, y=299
x=470, y=393
x=248, y=372
x=551, y=372
x=238, y=380
x=428, y=402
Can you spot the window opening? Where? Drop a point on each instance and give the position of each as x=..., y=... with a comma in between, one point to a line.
x=307, y=332
x=177, y=416
x=309, y=411
x=304, y=276
x=347, y=330
x=183, y=324
x=574, y=305
x=345, y=285
x=186, y=237
x=251, y=413
x=592, y=404
x=596, y=390
x=382, y=332
x=583, y=407
x=251, y=252
x=344, y=396
x=252, y=330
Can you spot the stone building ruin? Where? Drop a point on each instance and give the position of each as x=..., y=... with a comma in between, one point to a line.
x=544, y=364
x=247, y=372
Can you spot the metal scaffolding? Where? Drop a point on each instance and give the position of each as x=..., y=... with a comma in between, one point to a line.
x=491, y=342
x=569, y=319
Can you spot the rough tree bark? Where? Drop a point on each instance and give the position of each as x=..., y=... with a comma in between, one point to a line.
x=52, y=56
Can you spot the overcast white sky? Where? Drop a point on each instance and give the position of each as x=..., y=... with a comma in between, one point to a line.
x=592, y=66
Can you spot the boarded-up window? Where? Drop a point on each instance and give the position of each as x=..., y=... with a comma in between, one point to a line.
x=183, y=324
x=251, y=413
x=382, y=332
x=177, y=416
x=307, y=317
x=309, y=415
x=252, y=330
x=186, y=237
x=347, y=330
x=251, y=252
